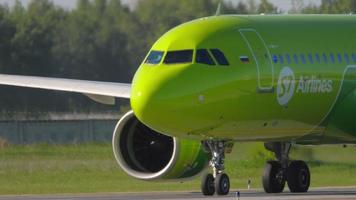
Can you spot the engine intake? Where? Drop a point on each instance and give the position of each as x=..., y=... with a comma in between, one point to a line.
x=148, y=155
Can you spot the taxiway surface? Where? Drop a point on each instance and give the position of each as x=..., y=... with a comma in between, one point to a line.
x=314, y=194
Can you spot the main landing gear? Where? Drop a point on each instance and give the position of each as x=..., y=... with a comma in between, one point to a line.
x=277, y=173
x=217, y=182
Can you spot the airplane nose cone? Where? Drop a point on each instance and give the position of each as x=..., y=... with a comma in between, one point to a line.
x=149, y=99
x=155, y=98
x=143, y=102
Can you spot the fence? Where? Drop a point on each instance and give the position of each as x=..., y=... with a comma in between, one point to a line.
x=66, y=131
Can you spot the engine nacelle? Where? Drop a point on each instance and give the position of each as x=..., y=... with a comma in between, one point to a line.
x=147, y=155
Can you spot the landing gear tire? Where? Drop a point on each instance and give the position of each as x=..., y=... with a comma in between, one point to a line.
x=207, y=185
x=222, y=184
x=273, y=179
x=298, y=176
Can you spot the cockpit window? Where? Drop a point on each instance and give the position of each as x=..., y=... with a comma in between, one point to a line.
x=204, y=57
x=154, y=57
x=219, y=57
x=181, y=56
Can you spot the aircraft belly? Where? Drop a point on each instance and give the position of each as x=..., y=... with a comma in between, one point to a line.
x=263, y=130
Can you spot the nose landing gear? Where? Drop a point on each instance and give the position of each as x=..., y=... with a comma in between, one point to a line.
x=218, y=182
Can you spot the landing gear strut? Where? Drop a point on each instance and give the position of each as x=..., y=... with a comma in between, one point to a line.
x=217, y=182
x=277, y=173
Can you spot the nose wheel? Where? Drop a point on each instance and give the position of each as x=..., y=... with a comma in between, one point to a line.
x=222, y=184
x=208, y=185
x=218, y=182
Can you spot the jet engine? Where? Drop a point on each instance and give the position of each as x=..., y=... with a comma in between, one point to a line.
x=148, y=155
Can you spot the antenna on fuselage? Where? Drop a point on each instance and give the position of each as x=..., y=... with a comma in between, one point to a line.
x=218, y=10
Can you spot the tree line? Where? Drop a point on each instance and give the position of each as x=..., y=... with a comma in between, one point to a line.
x=102, y=40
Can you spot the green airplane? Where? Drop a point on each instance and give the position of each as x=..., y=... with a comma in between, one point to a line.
x=208, y=83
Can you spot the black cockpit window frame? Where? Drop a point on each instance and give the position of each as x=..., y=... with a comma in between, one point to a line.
x=179, y=56
x=154, y=57
x=203, y=57
x=219, y=57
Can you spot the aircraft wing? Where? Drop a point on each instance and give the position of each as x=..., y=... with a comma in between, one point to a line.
x=103, y=92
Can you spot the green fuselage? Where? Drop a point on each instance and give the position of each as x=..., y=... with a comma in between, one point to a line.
x=288, y=78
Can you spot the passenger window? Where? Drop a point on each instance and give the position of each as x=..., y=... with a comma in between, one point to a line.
x=332, y=58
x=288, y=58
x=154, y=57
x=204, y=57
x=347, y=59
x=354, y=58
x=181, y=56
x=219, y=57
x=296, y=59
x=310, y=57
x=339, y=58
x=302, y=57
x=275, y=59
x=317, y=58
x=281, y=59
x=325, y=58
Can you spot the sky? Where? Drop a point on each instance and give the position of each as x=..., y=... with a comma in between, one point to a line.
x=283, y=4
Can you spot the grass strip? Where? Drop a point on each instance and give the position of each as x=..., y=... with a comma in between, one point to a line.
x=91, y=168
